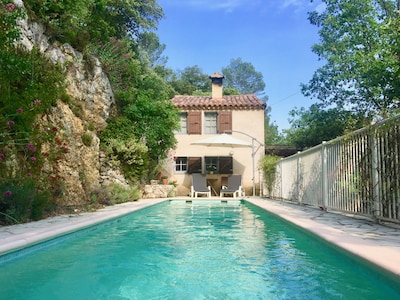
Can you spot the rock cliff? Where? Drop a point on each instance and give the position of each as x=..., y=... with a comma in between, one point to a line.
x=84, y=169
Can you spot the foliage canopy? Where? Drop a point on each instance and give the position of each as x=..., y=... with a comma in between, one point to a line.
x=243, y=76
x=82, y=21
x=359, y=41
x=315, y=125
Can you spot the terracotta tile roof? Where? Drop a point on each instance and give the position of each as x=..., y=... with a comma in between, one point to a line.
x=236, y=102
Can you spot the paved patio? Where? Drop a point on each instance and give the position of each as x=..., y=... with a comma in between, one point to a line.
x=375, y=243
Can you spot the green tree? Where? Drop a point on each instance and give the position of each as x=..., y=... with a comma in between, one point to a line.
x=243, y=76
x=153, y=116
x=271, y=131
x=315, y=125
x=191, y=80
x=82, y=21
x=66, y=21
x=229, y=91
x=359, y=41
x=144, y=112
x=151, y=50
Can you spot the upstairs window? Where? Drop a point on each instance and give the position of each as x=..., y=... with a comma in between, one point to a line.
x=183, y=123
x=214, y=122
x=210, y=123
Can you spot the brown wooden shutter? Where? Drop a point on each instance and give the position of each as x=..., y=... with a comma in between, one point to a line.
x=194, y=165
x=225, y=165
x=224, y=121
x=194, y=122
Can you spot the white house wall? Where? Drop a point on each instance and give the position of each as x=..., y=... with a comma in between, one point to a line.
x=250, y=122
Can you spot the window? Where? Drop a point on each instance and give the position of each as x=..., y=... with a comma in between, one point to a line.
x=183, y=121
x=210, y=123
x=214, y=122
x=188, y=165
x=218, y=165
x=181, y=165
x=211, y=165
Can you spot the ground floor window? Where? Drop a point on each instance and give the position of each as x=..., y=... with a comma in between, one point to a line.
x=211, y=165
x=218, y=164
x=208, y=165
x=181, y=165
x=188, y=165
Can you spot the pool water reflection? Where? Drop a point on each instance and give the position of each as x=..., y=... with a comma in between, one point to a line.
x=199, y=250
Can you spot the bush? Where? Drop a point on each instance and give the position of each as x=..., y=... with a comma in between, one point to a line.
x=130, y=155
x=22, y=202
x=87, y=139
x=121, y=194
x=268, y=165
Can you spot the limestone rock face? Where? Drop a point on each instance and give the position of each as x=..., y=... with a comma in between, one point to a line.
x=88, y=85
x=83, y=169
x=79, y=168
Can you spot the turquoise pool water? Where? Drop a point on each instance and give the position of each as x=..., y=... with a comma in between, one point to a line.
x=178, y=250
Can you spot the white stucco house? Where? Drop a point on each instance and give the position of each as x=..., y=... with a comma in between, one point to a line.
x=202, y=117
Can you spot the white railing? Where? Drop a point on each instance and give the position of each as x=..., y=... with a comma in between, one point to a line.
x=358, y=173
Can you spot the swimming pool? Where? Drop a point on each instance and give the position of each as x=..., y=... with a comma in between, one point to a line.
x=199, y=250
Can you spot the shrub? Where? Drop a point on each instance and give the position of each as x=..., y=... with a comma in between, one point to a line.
x=30, y=180
x=9, y=15
x=21, y=201
x=30, y=85
x=121, y=194
x=130, y=155
x=268, y=165
x=87, y=139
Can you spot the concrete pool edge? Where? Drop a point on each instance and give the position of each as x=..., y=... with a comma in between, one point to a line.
x=386, y=257
x=16, y=237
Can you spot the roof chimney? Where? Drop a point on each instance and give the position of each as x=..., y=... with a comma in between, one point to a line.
x=216, y=85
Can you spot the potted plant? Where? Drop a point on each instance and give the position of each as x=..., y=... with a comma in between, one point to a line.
x=211, y=169
x=164, y=180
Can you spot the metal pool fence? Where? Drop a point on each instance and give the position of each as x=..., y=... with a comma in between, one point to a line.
x=358, y=173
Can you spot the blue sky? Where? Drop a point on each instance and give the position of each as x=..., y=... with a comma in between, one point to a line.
x=274, y=35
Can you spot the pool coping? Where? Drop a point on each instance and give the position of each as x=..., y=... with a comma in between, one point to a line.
x=374, y=243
